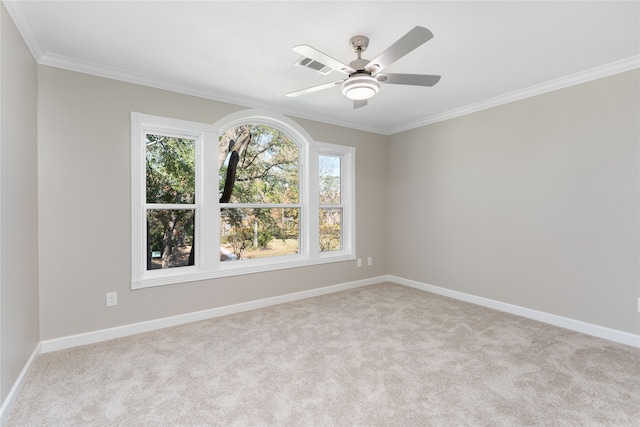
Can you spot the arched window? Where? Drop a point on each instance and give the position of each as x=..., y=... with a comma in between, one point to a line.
x=259, y=180
x=252, y=192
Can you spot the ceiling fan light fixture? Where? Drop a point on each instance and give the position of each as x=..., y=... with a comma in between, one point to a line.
x=360, y=87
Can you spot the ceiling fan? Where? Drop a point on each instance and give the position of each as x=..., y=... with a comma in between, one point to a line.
x=364, y=76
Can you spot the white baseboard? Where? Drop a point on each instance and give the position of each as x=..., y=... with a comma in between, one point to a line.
x=8, y=403
x=136, y=328
x=152, y=325
x=552, y=319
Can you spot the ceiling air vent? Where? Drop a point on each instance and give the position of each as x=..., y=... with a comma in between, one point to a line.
x=314, y=65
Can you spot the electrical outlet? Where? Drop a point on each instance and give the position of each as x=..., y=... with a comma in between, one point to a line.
x=370, y=260
x=112, y=299
x=359, y=262
x=639, y=305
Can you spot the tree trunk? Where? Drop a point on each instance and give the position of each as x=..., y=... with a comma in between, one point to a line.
x=192, y=255
x=167, y=251
x=149, y=254
x=231, y=177
x=255, y=233
x=238, y=142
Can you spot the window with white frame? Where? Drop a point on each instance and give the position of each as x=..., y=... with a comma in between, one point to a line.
x=330, y=199
x=259, y=184
x=252, y=192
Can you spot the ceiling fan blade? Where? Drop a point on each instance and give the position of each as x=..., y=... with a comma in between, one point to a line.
x=414, y=38
x=322, y=58
x=314, y=89
x=359, y=103
x=408, y=79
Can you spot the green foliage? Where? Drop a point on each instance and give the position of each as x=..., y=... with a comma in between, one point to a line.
x=330, y=229
x=264, y=238
x=329, y=169
x=170, y=179
x=240, y=240
x=268, y=168
x=329, y=190
x=330, y=194
x=170, y=167
x=267, y=173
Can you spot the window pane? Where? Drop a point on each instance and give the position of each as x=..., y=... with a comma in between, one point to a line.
x=329, y=180
x=266, y=165
x=258, y=233
x=170, y=169
x=330, y=229
x=170, y=238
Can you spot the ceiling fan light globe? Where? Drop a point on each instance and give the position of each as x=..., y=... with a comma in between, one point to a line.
x=360, y=93
x=360, y=87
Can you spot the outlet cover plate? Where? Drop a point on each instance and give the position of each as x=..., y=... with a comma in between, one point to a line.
x=112, y=299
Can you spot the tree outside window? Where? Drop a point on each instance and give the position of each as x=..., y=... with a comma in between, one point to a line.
x=252, y=192
x=259, y=193
x=170, y=188
x=330, y=203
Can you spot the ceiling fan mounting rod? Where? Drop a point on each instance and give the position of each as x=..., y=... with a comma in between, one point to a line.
x=359, y=44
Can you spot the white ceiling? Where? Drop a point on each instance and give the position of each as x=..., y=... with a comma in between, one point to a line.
x=488, y=53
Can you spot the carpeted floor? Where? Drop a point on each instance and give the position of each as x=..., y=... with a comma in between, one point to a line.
x=381, y=355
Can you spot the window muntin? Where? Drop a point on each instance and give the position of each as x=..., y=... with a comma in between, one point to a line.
x=259, y=193
x=170, y=174
x=297, y=216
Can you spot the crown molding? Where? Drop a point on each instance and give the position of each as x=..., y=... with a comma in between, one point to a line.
x=552, y=85
x=99, y=70
x=174, y=86
x=28, y=32
x=85, y=67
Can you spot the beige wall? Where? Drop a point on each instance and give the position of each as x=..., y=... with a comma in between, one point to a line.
x=84, y=182
x=19, y=205
x=534, y=203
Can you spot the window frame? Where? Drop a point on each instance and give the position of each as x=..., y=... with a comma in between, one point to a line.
x=347, y=186
x=207, y=263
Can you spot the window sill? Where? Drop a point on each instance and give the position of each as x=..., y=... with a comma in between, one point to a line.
x=234, y=268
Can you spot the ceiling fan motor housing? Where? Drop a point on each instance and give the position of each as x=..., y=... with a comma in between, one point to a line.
x=359, y=64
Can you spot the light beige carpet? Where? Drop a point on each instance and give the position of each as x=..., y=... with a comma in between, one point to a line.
x=382, y=355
